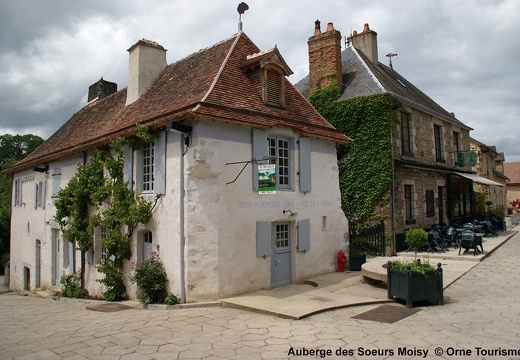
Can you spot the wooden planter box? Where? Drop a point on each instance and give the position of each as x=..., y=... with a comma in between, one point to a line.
x=412, y=287
x=355, y=261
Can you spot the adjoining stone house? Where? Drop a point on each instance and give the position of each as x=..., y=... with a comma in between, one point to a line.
x=429, y=143
x=219, y=114
x=512, y=171
x=490, y=165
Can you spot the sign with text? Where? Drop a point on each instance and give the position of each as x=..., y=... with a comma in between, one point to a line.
x=468, y=158
x=267, y=179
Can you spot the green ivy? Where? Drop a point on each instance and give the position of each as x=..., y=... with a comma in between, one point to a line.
x=480, y=203
x=365, y=165
x=97, y=195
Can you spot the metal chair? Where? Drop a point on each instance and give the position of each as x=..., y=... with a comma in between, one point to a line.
x=468, y=241
x=488, y=228
x=450, y=237
x=435, y=240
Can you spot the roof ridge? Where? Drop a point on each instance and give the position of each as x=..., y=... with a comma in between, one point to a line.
x=224, y=63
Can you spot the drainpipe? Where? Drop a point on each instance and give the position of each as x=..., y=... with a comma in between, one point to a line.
x=181, y=130
x=181, y=218
x=393, y=198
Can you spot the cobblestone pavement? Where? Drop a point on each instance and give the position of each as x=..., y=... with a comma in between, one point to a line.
x=482, y=310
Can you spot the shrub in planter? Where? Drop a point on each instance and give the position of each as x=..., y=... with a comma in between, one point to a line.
x=151, y=279
x=357, y=253
x=416, y=239
x=415, y=281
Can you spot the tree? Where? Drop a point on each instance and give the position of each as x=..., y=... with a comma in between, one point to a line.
x=97, y=195
x=13, y=148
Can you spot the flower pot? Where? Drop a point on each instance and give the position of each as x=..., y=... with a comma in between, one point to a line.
x=355, y=261
x=413, y=286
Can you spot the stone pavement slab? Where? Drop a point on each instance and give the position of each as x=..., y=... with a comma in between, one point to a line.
x=340, y=290
x=479, y=318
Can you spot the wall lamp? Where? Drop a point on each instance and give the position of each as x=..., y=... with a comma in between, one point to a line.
x=290, y=212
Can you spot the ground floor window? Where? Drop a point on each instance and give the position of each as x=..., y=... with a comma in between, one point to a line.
x=409, y=204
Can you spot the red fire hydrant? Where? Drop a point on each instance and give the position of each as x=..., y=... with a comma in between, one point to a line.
x=341, y=261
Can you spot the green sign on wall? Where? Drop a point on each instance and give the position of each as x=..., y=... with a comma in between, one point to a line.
x=468, y=158
x=267, y=179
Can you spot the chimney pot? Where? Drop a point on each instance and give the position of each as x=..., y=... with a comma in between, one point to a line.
x=366, y=28
x=354, y=33
x=330, y=27
x=317, y=27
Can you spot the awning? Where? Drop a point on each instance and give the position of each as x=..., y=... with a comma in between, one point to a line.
x=480, y=179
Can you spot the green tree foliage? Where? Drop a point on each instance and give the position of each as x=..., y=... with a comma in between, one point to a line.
x=97, y=195
x=13, y=148
x=365, y=165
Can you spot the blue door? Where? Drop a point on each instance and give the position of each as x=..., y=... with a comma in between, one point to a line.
x=281, y=259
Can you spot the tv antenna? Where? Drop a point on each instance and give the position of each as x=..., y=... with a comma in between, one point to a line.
x=242, y=7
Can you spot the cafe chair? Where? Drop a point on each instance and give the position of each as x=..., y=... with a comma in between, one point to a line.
x=468, y=241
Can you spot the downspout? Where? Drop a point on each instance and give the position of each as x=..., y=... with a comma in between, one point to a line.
x=393, y=198
x=181, y=219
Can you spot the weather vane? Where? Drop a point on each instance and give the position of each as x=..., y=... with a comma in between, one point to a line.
x=390, y=56
x=242, y=7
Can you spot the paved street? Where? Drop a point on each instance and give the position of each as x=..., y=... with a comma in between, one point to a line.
x=482, y=310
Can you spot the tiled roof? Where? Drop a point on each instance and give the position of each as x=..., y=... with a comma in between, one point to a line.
x=512, y=171
x=209, y=83
x=362, y=77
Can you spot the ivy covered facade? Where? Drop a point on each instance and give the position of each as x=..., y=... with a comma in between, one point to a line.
x=404, y=166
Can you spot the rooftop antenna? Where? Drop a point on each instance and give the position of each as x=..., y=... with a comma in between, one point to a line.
x=391, y=55
x=242, y=7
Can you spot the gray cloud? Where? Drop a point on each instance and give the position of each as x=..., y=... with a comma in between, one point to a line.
x=462, y=54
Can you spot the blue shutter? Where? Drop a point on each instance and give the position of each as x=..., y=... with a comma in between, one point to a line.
x=44, y=193
x=159, y=186
x=35, y=195
x=305, y=164
x=89, y=255
x=56, y=178
x=304, y=235
x=263, y=238
x=16, y=192
x=259, y=143
x=128, y=168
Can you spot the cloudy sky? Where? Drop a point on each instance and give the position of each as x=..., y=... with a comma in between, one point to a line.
x=463, y=54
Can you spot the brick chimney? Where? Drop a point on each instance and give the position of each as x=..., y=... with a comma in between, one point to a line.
x=101, y=89
x=147, y=60
x=366, y=42
x=324, y=56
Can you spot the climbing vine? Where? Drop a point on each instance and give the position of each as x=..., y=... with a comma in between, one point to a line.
x=365, y=165
x=98, y=195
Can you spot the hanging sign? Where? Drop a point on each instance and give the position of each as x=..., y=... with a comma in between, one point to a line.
x=267, y=179
x=468, y=158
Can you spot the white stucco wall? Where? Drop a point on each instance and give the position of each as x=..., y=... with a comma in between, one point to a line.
x=219, y=219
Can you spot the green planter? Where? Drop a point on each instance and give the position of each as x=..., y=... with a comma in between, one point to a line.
x=413, y=286
x=355, y=261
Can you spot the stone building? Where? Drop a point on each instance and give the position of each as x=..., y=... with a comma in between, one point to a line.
x=430, y=145
x=490, y=165
x=512, y=171
x=218, y=115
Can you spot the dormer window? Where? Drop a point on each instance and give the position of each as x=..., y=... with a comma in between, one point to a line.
x=272, y=69
x=273, y=89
